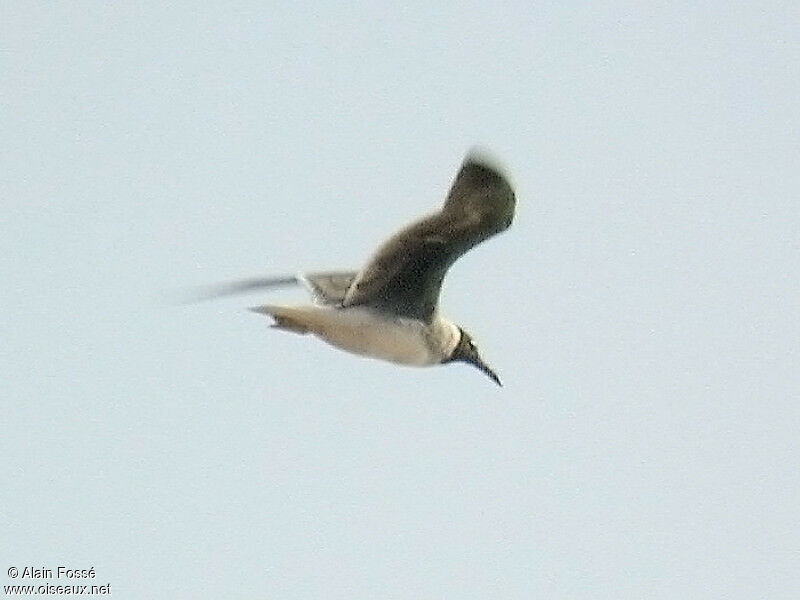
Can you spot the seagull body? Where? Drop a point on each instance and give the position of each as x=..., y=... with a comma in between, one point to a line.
x=362, y=330
x=389, y=309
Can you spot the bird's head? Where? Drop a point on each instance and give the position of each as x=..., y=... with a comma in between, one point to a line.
x=466, y=351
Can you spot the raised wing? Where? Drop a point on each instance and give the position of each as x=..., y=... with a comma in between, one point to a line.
x=405, y=275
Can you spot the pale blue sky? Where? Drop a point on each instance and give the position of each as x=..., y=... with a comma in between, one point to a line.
x=643, y=311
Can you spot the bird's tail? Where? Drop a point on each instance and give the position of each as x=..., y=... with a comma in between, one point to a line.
x=285, y=317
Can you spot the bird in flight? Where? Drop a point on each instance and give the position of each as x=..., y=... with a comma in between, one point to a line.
x=389, y=309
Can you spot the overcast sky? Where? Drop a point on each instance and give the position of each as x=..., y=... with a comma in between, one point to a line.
x=643, y=310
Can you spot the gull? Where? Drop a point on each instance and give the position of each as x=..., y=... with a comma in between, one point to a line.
x=389, y=309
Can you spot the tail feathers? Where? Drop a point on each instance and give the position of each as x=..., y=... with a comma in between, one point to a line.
x=281, y=317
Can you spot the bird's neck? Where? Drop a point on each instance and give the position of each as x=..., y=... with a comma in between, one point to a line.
x=444, y=336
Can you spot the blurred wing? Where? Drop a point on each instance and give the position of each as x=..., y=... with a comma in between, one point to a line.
x=325, y=288
x=405, y=275
x=241, y=286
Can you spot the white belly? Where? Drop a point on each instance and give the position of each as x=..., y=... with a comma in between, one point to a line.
x=361, y=331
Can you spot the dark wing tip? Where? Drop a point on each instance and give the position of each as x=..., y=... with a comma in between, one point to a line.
x=482, y=188
x=479, y=171
x=484, y=161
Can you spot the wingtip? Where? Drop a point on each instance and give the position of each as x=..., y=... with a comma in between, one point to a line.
x=483, y=164
x=480, y=155
x=232, y=288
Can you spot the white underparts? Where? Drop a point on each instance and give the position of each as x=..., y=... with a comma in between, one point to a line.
x=362, y=331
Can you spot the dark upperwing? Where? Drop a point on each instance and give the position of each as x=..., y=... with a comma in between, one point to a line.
x=405, y=275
